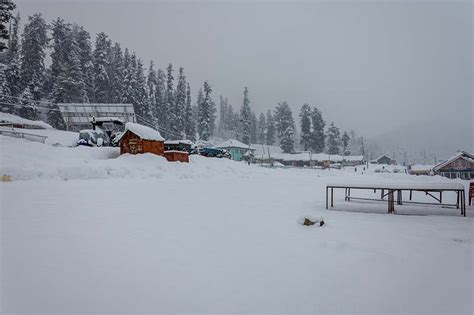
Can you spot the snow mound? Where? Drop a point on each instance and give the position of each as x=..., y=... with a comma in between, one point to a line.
x=25, y=160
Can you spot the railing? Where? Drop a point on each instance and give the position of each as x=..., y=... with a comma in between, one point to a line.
x=24, y=135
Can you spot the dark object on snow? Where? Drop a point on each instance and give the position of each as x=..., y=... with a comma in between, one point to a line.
x=308, y=222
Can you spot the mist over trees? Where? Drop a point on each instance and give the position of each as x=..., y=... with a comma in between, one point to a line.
x=87, y=69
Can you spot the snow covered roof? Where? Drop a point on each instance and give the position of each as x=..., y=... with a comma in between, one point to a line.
x=421, y=168
x=143, y=132
x=383, y=155
x=232, y=143
x=461, y=154
x=106, y=119
x=9, y=118
x=184, y=141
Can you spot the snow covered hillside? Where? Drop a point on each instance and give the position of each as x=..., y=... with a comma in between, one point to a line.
x=85, y=230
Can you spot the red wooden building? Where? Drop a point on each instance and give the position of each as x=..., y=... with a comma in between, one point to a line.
x=460, y=165
x=141, y=139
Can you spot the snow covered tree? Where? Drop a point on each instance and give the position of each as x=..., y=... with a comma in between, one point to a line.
x=287, y=143
x=141, y=100
x=180, y=106
x=285, y=126
x=317, y=134
x=5, y=99
x=205, y=113
x=305, y=124
x=28, y=105
x=115, y=71
x=253, y=128
x=85, y=56
x=270, y=127
x=12, y=80
x=160, y=99
x=151, y=89
x=189, y=122
x=245, y=119
x=345, y=142
x=261, y=129
x=169, y=117
x=128, y=95
x=333, y=136
x=101, y=65
x=5, y=15
x=222, y=125
x=32, y=53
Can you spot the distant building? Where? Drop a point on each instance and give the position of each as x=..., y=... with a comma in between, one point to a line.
x=78, y=116
x=237, y=149
x=384, y=159
x=419, y=169
x=460, y=165
x=141, y=139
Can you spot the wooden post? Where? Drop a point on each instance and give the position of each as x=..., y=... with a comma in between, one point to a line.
x=457, y=200
x=381, y=194
x=327, y=189
x=411, y=191
x=390, y=202
x=349, y=195
x=440, y=197
x=332, y=197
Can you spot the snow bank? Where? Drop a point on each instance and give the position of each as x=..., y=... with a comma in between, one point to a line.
x=25, y=160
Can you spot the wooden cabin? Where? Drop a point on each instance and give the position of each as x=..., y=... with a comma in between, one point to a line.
x=460, y=165
x=138, y=139
x=238, y=150
x=384, y=159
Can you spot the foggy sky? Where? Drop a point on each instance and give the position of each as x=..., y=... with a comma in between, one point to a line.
x=374, y=67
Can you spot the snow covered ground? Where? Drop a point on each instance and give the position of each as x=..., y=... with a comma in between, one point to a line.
x=83, y=230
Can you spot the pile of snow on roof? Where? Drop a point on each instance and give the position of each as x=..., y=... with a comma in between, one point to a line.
x=144, y=132
x=232, y=143
x=9, y=118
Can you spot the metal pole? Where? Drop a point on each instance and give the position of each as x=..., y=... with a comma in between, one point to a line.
x=332, y=197
x=327, y=189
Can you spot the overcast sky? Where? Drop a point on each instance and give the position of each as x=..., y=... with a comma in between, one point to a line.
x=370, y=66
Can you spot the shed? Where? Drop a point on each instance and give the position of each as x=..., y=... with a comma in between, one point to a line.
x=177, y=156
x=237, y=149
x=141, y=139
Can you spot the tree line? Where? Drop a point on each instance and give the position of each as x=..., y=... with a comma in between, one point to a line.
x=81, y=72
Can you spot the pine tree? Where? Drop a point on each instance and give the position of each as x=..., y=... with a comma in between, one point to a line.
x=151, y=89
x=253, y=128
x=261, y=129
x=245, y=119
x=5, y=15
x=101, y=65
x=222, y=125
x=270, y=127
x=33, y=51
x=317, y=133
x=85, y=56
x=12, y=80
x=189, y=124
x=116, y=74
x=5, y=100
x=28, y=105
x=180, y=106
x=160, y=100
x=169, y=117
x=141, y=99
x=305, y=124
x=287, y=143
x=345, y=142
x=205, y=114
x=333, y=136
x=128, y=94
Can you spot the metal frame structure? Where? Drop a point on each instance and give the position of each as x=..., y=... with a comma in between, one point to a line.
x=390, y=194
x=78, y=116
